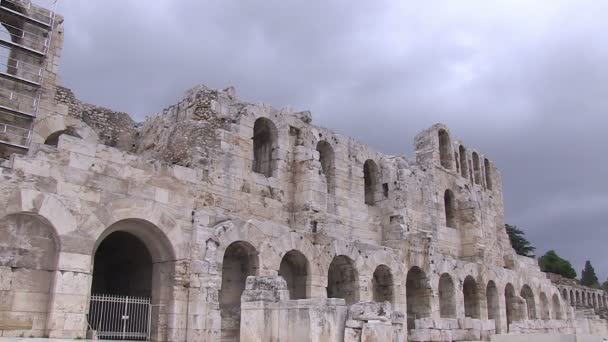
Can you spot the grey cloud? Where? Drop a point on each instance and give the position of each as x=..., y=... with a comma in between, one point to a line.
x=523, y=82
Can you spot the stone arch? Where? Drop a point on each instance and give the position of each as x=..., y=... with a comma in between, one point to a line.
x=464, y=169
x=476, y=168
x=488, y=170
x=295, y=269
x=450, y=209
x=265, y=142
x=30, y=249
x=371, y=179
x=447, y=300
x=527, y=294
x=418, y=295
x=53, y=138
x=383, y=286
x=471, y=297
x=272, y=251
x=572, y=298
x=17, y=201
x=327, y=160
x=150, y=271
x=557, y=308
x=565, y=294
x=513, y=305
x=343, y=280
x=544, y=307
x=578, y=298
x=445, y=149
x=493, y=304
x=240, y=261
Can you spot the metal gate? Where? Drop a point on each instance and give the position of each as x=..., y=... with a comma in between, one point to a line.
x=114, y=317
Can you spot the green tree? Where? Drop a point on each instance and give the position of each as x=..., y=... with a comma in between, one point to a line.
x=588, y=277
x=519, y=242
x=553, y=263
x=605, y=286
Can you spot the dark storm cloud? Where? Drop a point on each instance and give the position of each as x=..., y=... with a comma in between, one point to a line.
x=523, y=82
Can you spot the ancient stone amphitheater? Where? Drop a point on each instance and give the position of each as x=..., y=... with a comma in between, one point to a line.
x=221, y=220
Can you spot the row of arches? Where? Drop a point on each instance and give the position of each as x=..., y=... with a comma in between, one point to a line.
x=134, y=257
x=580, y=297
x=475, y=170
x=265, y=147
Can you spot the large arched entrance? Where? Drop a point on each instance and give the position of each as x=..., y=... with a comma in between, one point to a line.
x=240, y=261
x=28, y=258
x=133, y=274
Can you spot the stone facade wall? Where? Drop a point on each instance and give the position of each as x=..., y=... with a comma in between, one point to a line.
x=258, y=225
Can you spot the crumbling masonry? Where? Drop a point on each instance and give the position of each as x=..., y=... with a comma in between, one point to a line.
x=239, y=221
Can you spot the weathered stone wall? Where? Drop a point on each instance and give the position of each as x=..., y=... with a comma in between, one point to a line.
x=242, y=208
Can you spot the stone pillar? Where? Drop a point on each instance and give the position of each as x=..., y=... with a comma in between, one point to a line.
x=69, y=297
x=259, y=314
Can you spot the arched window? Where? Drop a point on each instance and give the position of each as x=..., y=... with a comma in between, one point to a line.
x=343, y=280
x=565, y=294
x=493, y=304
x=471, y=297
x=326, y=158
x=488, y=170
x=382, y=284
x=464, y=170
x=527, y=294
x=544, y=307
x=264, y=144
x=370, y=177
x=418, y=296
x=450, y=212
x=445, y=149
x=476, y=168
x=512, y=305
x=572, y=298
x=240, y=261
x=447, y=301
x=295, y=270
x=557, y=308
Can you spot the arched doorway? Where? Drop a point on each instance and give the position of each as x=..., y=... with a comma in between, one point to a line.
x=133, y=277
x=343, y=280
x=493, y=304
x=447, y=302
x=471, y=297
x=382, y=284
x=418, y=295
x=240, y=261
x=29, y=249
x=295, y=270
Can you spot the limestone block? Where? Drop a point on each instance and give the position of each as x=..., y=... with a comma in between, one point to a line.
x=376, y=331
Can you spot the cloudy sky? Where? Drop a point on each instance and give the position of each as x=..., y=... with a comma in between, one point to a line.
x=525, y=82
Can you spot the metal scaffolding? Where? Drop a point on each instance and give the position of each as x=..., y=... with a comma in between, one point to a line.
x=25, y=41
